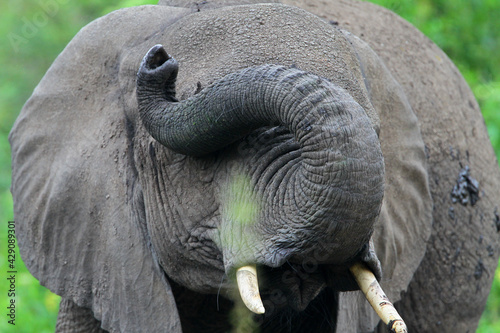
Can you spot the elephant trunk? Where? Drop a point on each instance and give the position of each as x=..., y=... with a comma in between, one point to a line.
x=337, y=187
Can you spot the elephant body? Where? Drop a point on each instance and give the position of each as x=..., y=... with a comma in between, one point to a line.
x=124, y=228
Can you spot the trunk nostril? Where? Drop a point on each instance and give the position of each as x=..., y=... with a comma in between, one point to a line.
x=157, y=56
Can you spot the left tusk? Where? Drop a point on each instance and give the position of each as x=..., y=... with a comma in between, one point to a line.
x=377, y=298
x=248, y=285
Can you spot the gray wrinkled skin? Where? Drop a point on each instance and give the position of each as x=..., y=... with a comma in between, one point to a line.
x=302, y=201
x=139, y=236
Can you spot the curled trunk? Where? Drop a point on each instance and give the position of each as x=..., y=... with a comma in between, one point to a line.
x=337, y=187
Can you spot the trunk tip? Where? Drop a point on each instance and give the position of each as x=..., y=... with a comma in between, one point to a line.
x=156, y=57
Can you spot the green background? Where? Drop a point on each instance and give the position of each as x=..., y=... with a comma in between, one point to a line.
x=33, y=32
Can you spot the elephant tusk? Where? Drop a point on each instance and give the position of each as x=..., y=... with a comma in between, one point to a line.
x=248, y=285
x=377, y=298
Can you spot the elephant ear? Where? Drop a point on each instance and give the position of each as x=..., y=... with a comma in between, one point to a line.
x=79, y=210
x=405, y=222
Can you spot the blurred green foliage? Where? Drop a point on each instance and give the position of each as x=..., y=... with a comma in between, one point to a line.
x=34, y=32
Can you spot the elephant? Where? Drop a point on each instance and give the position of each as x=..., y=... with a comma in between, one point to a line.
x=170, y=145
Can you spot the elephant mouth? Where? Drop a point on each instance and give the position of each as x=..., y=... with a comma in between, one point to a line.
x=291, y=285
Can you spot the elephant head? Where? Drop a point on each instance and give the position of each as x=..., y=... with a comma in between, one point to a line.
x=316, y=195
x=324, y=186
x=146, y=182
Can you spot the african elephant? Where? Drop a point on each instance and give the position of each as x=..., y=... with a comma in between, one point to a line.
x=169, y=145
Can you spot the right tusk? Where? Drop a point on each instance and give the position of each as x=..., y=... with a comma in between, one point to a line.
x=377, y=298
x=248, y=285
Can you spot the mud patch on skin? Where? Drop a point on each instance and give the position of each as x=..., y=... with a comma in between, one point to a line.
x=451, y=213
x=480, y=268
x=466, y=189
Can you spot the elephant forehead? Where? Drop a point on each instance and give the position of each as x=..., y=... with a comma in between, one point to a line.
x=213, y=43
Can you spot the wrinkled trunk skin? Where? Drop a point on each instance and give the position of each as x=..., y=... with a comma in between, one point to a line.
x=74, y=319
x=331, y=197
